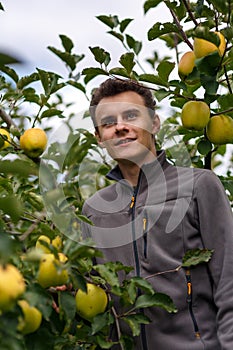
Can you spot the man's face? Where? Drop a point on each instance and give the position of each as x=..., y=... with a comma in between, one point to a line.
x=125, y=128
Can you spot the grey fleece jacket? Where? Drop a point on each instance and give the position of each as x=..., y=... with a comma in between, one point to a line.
x=172, y=210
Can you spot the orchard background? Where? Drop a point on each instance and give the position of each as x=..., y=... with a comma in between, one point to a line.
x=44, y=195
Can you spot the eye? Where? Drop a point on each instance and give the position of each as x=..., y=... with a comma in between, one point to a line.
x=131, y=115
x=108, y=121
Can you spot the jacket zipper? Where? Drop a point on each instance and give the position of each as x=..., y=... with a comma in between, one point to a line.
x=135, y=249
x=136, y=257
x=190, y=304
x=145, y=235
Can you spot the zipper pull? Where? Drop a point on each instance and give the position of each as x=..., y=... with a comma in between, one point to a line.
x=189, y=286
x=144, y=224
x=132, y=202
x=144, y=220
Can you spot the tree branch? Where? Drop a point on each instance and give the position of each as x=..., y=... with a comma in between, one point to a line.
x=184, y=36
x=190, y=12
x=6, y=118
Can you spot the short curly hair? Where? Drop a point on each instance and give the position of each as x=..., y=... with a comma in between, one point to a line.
x=114, y=86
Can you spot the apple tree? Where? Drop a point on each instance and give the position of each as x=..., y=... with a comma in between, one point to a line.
x=42, y=193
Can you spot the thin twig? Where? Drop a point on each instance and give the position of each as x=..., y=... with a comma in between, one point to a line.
x=30, y=229
x=163, y=272
x=227, y=80
x=190, y=13
x=7, y=119
x=117, y=323
x=184, y=36
x=224, y=112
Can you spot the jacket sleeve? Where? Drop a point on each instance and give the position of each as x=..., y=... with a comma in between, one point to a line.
x=216, y=227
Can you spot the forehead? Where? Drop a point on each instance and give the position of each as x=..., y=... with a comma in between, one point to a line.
x=119, y=103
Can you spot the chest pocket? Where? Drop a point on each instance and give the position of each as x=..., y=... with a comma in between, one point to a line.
x=162, y=235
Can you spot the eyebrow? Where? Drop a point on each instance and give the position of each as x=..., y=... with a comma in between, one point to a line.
x=131, y=110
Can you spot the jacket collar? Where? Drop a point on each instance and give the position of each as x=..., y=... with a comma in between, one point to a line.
x=116, y=175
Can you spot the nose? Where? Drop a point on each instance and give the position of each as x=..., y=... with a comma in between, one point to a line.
x=121, y=126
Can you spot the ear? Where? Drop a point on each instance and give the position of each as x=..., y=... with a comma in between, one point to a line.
x=155, y=124
x=98, y=137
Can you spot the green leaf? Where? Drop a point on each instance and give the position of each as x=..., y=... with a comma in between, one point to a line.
x=221, y=6
x=104, y=343
x=11, y=206
x=101, y=321
x=134, y=44
x=91, y=73
x=18, y=167
x=30, y=95
x=194, y=257
x=45, y=80
x=228, y=185
x=158, y=299
x=70, y=60
x=154, y=79
x=67, y=43
x=10, y=72
x=142, y=284
x=51, y=113
x=116, y=35
x=226, y=102
x=109, y=271
x=100, y=54
x=124, y=24
x=127, y=61
x=108, y=274
x=204, y=147
x=204, y=32
x=7, y=59
x=77, y=85
x=164, y=69
x=161, y=94
x=208, y=64
x=210, y=85
x=119, y=71
x=67, y=305
x=135, y=321
x=151, y=4
x=24, y=81
x=160, y=29
x=110, y=21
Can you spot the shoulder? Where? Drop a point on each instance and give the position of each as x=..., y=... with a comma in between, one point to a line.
x=92, y=204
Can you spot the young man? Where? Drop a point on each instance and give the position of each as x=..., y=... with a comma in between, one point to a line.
x=152, y=214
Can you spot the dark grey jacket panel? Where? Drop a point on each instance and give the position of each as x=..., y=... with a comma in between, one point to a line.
x=176, y=209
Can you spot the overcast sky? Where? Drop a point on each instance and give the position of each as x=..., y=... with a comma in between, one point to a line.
x=28, y=27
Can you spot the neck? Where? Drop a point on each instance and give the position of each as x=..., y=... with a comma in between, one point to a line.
x=130, y=170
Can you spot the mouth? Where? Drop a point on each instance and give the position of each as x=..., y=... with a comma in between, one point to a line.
x=124, y=141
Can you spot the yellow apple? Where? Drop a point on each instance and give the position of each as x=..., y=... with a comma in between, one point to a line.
x=92, y=303
x=57, y=242
x=33, y=142
x=3, y=141
x=186, y=64
x=12, y=285
x=52, y=271
x=195, y=115
x=41, y=246
x=219, y=129
x=31, y=319
x=203, y=47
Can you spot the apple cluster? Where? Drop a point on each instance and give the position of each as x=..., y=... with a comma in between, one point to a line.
x=196, y=114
